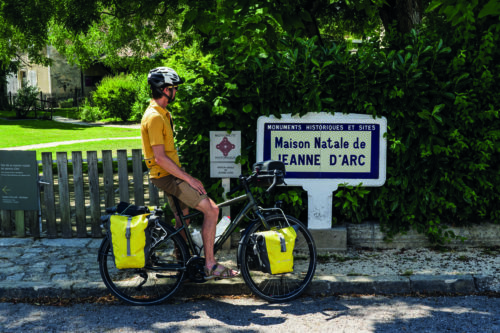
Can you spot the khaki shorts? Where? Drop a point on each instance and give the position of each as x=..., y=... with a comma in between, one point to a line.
x=173, y=186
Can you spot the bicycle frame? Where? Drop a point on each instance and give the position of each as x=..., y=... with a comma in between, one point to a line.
x=251, y=205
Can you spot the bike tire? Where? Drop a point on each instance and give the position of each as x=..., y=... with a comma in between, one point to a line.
x=156, y=282
x=279, y=287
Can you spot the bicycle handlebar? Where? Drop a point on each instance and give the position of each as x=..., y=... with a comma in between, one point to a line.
x=249, y=179
x=240, y=185
x=275, y=178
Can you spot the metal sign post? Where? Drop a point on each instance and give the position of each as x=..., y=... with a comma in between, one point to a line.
x=224, y=149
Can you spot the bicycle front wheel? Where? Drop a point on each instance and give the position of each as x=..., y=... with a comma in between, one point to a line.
x=154, y=283
x=279, y=287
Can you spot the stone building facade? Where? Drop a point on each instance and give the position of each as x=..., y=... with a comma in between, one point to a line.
x=58, y=81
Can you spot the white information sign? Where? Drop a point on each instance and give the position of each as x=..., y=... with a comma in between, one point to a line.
x=224, y=149
x=322, y=151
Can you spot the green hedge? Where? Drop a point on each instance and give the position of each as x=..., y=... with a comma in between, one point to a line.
x=442, y=112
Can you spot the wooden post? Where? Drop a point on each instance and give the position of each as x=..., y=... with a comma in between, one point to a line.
x=48, y=194
x=62, y=171
x=123, y=175
x=6, y=223
x=107, y=166
x=226, y=211
x=20, y=231
x=81, y=225
x=138, y=177
x=95, y=207
x=154, y=199
x=31, y=216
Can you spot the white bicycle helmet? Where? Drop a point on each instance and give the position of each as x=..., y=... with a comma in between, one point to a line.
x=163, y=76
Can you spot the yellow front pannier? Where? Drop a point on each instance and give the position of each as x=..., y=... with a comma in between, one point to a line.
x=274, y=249
x=130, y=239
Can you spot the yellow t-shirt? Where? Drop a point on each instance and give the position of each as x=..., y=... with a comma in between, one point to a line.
x=156, y=129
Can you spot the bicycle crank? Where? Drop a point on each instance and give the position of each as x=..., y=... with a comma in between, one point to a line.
x=195, y=269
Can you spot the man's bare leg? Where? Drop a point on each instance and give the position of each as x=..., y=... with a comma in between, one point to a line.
x=178, y=222
x=211, y=214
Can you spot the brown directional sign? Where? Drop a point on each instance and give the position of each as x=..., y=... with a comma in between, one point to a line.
x=18, y=180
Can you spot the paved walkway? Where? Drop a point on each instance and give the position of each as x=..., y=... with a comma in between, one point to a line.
x=62, y=143
x=69, y=268
x=79, y=122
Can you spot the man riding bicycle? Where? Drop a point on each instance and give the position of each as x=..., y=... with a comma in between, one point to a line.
x=165, y=170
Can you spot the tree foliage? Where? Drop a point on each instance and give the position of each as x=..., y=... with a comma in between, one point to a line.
x=125, y=34
x=121, y=35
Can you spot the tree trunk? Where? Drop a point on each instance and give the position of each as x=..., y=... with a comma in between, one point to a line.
x=311, y=27
x=406, y=14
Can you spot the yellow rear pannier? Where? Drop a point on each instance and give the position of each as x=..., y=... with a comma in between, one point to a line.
x=130, y=239
x=274, y=249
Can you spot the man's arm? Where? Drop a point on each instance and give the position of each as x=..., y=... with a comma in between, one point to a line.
x=168, y=165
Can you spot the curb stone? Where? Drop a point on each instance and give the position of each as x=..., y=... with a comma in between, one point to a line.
x=484, y=284
x=323, y=285
x=458, y=284
x=359, y=285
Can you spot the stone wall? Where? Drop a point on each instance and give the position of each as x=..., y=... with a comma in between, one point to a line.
x=63, y=76
x=369, y=235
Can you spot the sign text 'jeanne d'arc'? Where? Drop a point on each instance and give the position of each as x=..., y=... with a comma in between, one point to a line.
x=323, y=146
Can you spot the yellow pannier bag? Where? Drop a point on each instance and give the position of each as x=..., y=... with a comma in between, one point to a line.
x=130, y=239
x=275, y=250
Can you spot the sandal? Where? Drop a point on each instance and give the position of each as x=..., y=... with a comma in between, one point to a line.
x=220, y=272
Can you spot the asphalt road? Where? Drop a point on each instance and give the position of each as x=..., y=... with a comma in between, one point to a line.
x=244, y=314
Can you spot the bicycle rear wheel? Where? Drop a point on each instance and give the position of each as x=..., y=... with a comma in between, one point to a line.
x=154, y=283
x=279, y=287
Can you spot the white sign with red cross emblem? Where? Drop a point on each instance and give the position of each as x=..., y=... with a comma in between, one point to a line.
x=224, y=149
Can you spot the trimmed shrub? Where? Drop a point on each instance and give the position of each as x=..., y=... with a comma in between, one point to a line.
x=89, y=113
x=115, y=96
x=26, y=101
x=142, y=99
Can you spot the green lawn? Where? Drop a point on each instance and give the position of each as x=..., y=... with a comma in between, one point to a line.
x=15, y=133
